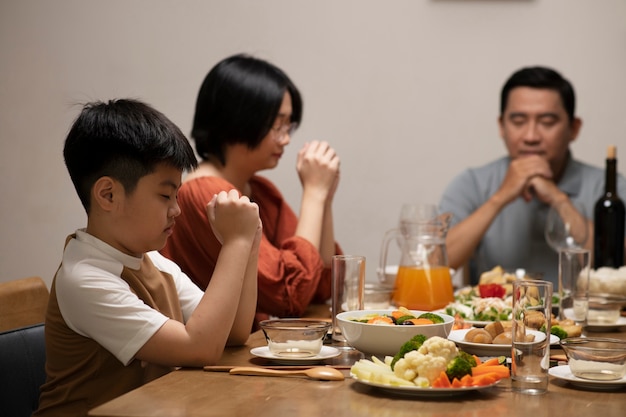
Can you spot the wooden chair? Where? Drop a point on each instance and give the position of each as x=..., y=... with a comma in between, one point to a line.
x=23, y=302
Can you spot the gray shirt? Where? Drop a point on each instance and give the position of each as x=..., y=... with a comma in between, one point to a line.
x=515, y=238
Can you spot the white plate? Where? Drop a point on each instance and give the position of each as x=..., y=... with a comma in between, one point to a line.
x=563, y=372
x=423, y=392
x=327, y=352
x=606, y=327
x=484, y=349
x=477, y=323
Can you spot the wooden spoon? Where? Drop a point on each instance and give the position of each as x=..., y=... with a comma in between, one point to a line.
x=324, y=373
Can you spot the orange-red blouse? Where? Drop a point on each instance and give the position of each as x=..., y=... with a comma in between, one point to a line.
x=290, y=270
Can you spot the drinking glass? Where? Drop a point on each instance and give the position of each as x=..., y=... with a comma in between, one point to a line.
x=530, y=358
x=573, y=289
x=566, y=228
x=348, y=288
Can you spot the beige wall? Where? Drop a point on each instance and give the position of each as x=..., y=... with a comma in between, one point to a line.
x=406, y=90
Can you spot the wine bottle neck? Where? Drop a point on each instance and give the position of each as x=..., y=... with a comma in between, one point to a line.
x=611, y=175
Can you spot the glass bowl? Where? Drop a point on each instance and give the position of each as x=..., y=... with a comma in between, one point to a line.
x=295, y=338
x=595, y=358
x=605, y=308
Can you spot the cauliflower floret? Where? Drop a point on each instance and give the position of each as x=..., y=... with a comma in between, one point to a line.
x=438, y=346
x=416, y=367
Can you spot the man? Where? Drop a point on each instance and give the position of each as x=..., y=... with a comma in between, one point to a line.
x=500, y=208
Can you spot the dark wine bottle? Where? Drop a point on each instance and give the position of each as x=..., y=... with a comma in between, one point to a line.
x=609, y=216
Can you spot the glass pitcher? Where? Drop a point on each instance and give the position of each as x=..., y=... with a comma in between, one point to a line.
x=423, y=281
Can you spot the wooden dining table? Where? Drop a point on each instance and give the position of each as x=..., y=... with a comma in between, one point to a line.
x=198, y=392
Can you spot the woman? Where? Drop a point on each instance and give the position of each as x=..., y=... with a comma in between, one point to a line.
x=246, y=111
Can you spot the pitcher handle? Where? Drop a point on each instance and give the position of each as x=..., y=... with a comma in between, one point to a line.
x=389, y=236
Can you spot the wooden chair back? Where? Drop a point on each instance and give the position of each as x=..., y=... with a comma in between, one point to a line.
x=23, y=302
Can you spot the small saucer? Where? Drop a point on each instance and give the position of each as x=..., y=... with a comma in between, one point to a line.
x=606, y=327
x=327, y=352
x=563, y=372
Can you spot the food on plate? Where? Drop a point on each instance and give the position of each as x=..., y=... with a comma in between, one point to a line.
x=490, y=300
x=534, y=319
x=415, y=343
x=560, y=328
x=505, y=338
x=499, y=276
x=607, y=280
x=491, y=290
x=565, y=328
x=435, y=362
x=478, y=335
x=401, y=317
x=475, y=308
x=494, y=329
x=496, y=333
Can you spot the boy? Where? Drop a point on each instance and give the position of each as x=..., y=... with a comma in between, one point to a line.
x=120, y=314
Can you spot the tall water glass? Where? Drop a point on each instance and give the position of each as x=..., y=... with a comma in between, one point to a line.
x=574, y=265
x=530, y=355
x=348, y=288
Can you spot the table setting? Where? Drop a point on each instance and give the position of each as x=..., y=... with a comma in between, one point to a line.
x=354, y=359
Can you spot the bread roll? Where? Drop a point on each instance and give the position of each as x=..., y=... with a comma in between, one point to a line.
x=503, y=338
x=494, y=329
x=478, y=336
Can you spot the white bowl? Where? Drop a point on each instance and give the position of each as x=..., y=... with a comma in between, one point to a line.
x=381, y=340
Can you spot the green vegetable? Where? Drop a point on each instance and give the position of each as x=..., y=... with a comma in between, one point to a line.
x=431, y=316
x=460, y=366
x=559, y=332
x=414, y=344
x=402, y=319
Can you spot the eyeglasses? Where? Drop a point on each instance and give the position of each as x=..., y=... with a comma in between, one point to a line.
x=282, y=130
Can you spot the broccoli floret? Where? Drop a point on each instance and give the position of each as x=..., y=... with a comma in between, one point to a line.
x=402, y=319
x=470, y=358
x=414, y=344
x=460, y=366
x=559, y=332
x=432, y=317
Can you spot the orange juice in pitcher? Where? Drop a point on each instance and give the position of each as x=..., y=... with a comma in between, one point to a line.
x=419, y=288
x=423, y=281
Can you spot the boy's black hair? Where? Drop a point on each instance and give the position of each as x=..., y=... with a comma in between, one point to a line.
x=544, y=78
x=238, y=102
x=124, y=139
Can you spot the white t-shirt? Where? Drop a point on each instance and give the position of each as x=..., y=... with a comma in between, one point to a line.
x=97, y=303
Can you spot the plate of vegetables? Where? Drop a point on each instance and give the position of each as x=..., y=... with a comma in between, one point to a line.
x=478, y=310
x=429, y=367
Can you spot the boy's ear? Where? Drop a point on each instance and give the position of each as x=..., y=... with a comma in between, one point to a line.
x=105, y=193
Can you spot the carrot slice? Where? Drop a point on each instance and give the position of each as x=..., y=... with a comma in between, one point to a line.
x=485, y=379
x=442, y=381
x=490, y=362
x=418, y=322
x=500, y=370
x=467, y=380
x=398, y=313
x=380, y=320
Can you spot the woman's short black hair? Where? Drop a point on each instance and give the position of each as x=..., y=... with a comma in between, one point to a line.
x=238, y=102
x=544, y=78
